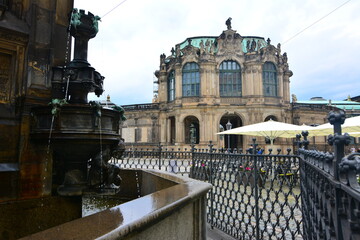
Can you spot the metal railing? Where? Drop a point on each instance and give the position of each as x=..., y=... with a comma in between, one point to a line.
x=253, y=196
x=330, y=188
x=144, y=106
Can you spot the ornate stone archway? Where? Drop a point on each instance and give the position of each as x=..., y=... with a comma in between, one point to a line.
x=232, y=141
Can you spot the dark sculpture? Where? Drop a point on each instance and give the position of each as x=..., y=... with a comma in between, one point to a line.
x=80, y=133
x=268, y=41
x=102, y=174
x=75, y=80
x=228, y=23
x=253, y=46
x=285, y=59
x=248, y=45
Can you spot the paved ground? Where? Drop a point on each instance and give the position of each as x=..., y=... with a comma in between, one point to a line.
x=215, y=234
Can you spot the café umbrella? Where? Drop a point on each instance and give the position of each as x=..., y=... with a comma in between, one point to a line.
x=351, y=125
x=270, y=129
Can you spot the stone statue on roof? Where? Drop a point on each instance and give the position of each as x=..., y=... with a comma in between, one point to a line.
x=228, y=23
x=202, y=48
x=253, y=46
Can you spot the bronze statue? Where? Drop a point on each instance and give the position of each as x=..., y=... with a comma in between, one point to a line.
x=228, y=23
x=102, y=173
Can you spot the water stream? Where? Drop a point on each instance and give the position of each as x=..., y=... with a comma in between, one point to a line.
x=47, y=153
x=67, y=58
x=137, y=184
x=101, y=155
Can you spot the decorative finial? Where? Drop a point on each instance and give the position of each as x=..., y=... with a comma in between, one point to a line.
x=228, y=23
x=349, y=98
x=108, y=98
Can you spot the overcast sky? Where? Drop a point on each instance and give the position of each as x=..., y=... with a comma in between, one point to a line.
x=324, y=57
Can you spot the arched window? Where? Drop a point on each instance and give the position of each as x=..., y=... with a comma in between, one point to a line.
x=272, y=117
x=230, y=79
x=191, y=80
x=270, y=82
x=171, y=86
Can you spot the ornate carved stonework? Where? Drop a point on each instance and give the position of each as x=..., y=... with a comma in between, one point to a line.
x=190, y=50
x=5, y=73
x=229, y=42
x=12, y=37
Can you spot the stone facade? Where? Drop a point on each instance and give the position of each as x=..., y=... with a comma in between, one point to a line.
x=33, y=38
x=207, y=82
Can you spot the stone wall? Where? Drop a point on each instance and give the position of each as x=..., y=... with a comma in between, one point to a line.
x=174, y=208
x=33, y=39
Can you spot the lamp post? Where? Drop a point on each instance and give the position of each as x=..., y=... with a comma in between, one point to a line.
x=228, y=127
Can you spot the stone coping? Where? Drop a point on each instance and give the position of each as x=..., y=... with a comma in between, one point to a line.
x=135, y=215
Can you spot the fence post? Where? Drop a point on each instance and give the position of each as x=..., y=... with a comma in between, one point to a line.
x=305, y=142
x=160, y=149
x=192, y=169
x=339, y=141
x=211, y=182
x=298, y=143
x=256, y=189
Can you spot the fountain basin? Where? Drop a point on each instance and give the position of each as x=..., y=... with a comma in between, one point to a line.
x=76, y=134
x=171, y=207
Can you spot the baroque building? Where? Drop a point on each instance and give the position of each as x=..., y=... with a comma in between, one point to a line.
x=210, y=82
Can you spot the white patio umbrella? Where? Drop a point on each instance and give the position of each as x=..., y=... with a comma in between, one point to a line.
x=270, y=129
x=351, y=125
x=354, y=134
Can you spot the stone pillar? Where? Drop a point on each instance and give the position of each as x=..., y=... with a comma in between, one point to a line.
x=209, y=85
x=163, y=129
x=180, y=137
x=257, y=79
x=280, y=80
x=204, y=127
x=248, y=76
x=178, y=81
x=162, y=91
x=168, y=130
x=286, y=80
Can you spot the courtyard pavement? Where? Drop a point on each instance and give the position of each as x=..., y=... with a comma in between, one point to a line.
x=215, y=234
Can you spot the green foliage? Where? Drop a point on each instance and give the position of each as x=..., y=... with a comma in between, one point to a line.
x=56, y=105
x=121, y=111
x=97, y=106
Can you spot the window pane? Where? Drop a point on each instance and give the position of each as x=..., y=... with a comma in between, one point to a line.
x=230, y=79
x=270, y=84
x=171, y=86
x=191, y=78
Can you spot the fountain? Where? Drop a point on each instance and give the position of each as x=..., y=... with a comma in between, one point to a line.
x=63, y=155
x=81, y=130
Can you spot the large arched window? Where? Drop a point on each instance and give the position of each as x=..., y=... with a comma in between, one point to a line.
x=171, y=86
x=230, y=79
x=270, y=82
x=191, y=80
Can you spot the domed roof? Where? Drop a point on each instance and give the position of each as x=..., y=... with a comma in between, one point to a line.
x=246, y=42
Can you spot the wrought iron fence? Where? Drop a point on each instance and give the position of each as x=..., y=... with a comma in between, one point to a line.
x=330, y=189
x=253, y=196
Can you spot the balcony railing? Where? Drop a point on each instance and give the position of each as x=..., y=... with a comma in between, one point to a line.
x=136, y=107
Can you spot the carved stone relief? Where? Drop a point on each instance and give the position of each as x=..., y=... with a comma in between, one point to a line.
x=229, y=42
x=5, y=74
